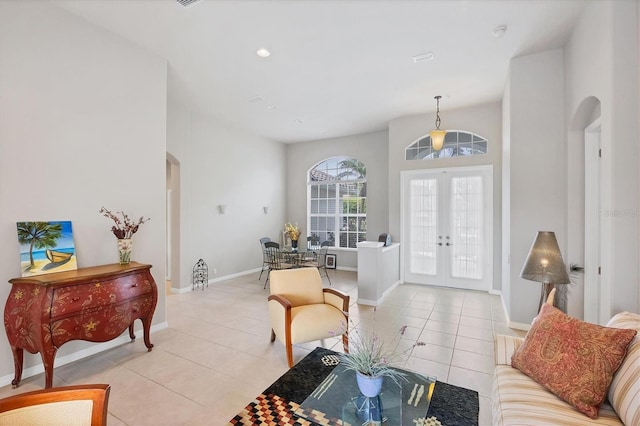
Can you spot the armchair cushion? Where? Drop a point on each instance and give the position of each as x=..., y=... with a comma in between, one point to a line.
x=315, y=322
x=77, y=405
x=574, y=359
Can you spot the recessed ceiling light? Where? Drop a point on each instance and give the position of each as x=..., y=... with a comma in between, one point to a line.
x=263, y=53
x=423, y=57
x=498, y=32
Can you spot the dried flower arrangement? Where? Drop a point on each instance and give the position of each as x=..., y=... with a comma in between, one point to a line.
x=292, y=231
x=125, y=227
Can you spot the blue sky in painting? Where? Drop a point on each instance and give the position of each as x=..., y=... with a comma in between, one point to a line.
x=64, y=243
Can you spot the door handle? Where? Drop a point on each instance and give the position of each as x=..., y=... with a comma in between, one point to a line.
x=439, y=244
x=449, y=244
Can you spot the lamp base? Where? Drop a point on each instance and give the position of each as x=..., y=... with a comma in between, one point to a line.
x=544, y=293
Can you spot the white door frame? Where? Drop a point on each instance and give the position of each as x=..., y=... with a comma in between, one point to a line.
x=597, y=295
x=406, y=175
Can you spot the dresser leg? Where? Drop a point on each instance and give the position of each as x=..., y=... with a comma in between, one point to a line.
x=48, y=355
x=132, y=335
x=17, y=363
x=146, y=326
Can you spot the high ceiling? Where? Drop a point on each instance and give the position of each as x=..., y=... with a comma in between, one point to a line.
x=337, y=67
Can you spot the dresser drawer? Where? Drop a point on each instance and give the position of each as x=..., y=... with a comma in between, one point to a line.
x=101, y=323
x=76, y=298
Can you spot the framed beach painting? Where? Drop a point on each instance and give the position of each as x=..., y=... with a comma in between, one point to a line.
x=46, y=247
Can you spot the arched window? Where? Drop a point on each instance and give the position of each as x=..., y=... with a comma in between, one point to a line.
x=457, y=143
x=337, y=202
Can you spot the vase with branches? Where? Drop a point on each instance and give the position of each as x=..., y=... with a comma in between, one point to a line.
x=124, y=227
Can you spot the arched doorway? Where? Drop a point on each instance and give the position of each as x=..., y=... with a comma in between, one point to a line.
x=173, y=222
x=585, y=183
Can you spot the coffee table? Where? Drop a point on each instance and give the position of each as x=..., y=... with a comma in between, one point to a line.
x=337, y=401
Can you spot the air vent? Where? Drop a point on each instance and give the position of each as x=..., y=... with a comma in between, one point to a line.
x=423, y=57
x=255, y=99
x=187, y=3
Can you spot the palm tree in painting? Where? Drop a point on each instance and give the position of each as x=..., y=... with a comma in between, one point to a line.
x=38, y=235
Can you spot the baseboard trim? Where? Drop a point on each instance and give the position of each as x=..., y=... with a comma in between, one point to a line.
x=519, y=325
x=189, y=288
x=236, y=275
x=346, y=268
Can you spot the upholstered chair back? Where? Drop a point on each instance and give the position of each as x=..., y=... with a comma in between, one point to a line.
x=302, y=286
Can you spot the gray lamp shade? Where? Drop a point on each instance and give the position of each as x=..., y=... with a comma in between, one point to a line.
x=544, y=263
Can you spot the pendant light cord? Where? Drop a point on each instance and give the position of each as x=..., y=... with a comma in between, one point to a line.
x=438, y=112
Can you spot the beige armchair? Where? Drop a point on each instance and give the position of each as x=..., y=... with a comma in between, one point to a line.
x=80, y=405
x=302, y=311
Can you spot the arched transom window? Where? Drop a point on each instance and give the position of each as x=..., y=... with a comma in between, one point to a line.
x=337, y=202
x=457, y=143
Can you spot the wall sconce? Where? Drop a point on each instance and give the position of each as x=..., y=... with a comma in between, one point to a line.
x=266, y=209
x=222, y=208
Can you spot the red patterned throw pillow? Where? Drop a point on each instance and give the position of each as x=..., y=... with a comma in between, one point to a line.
x=574, y=359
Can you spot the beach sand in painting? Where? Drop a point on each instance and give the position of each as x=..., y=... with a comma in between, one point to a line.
x=46, y=267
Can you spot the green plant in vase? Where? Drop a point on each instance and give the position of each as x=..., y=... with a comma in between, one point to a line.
x=373, y=359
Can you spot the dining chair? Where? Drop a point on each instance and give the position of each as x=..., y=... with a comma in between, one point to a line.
x=265, y=264
x=320, y=261
x=275, y=259
x=78, y=405
x=313, y=245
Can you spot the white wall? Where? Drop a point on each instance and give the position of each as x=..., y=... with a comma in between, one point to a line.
x=223, y=165
x=537, y=179
x=371, y=149
x=484, y=120
x=82, y=125
x=603, y=64
x=505, y=272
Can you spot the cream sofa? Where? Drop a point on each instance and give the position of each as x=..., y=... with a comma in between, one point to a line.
x=518, y=400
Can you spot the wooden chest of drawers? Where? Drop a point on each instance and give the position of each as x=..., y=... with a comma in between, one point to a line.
x=96, y=304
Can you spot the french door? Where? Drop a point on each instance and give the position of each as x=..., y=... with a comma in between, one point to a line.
x=447, y=227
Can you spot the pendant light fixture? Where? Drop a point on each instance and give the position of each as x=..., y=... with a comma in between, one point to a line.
x=437, y=135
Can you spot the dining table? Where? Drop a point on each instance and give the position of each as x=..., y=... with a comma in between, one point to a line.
x=296, y=257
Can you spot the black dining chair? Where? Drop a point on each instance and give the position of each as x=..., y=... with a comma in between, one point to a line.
x=265, y=264
x=321, y=260
x=275, y=259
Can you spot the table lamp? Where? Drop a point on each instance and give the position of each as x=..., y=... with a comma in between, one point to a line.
x=545, y=265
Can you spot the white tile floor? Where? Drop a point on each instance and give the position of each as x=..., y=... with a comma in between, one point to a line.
x=216, y=356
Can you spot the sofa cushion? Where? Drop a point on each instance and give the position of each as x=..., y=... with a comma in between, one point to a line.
x=517, y=399
x=574, y=359
x=624, y=393
x=503, y=348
